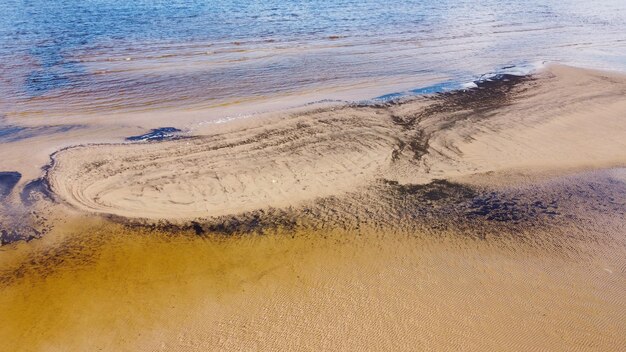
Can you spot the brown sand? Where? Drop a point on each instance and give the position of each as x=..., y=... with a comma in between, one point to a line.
x=336, y=239
x=106, y=288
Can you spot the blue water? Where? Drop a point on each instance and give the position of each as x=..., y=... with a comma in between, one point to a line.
x=109, y=55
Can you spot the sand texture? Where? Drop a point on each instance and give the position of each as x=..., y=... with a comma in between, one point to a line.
x=490, y=219
x=547, y=122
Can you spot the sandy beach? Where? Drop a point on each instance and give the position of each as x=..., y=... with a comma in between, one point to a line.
x=488, y=218
x=562, y=119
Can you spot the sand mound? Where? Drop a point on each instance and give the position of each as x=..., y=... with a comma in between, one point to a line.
x=278, y=163
x=562, y=118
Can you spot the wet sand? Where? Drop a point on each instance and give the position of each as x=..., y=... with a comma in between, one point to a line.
x=485, y=219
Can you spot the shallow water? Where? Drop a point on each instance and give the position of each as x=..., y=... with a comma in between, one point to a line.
x=115, y=55
x=101, y=286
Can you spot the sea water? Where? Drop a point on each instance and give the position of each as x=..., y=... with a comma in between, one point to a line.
x=113, y=55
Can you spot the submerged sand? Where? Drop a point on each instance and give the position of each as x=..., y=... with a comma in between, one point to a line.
x=316, y=291
x=487, y=219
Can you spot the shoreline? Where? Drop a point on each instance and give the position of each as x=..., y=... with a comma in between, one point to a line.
x=485, y=219
x=75, y=128
x=330, y=151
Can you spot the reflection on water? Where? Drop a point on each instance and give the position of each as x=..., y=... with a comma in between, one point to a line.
x=115, y=54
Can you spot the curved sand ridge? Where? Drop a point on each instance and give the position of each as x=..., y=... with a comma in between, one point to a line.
x=561, y=118
x=277, y=163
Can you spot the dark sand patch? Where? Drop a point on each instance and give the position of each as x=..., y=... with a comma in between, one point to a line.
x=157, y=134
x=36, y=190
x=8, y=180
x=28, y=216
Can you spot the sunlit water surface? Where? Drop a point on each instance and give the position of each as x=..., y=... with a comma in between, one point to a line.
x=118, y=55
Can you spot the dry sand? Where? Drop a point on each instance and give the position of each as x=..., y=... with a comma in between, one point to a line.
x=488, y=219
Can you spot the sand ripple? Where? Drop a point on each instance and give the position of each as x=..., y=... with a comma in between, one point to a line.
x=562, y=118
x=275, y=164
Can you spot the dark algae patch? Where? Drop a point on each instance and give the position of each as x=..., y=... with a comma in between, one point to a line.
x=499, y=207
x=8, y=180
x=8, y=236
x=157, y=134
x=36, y=190
x=388, y=206
x=450, y=108
x=437, y=190
x=475, y=103
x=25, y=218
x=435, y=208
